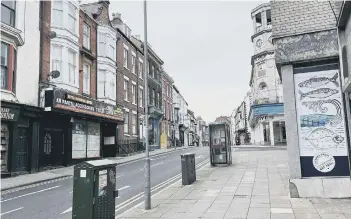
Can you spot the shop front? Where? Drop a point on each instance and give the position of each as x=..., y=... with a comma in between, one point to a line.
x=76, y=128
x=19, y=138
x=154, y=128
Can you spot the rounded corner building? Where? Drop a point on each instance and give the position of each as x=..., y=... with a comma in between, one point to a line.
x=266, y=114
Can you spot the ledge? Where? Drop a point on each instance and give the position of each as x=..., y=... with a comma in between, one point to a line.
x=12, y=33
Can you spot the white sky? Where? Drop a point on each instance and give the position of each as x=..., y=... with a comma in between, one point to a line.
x=206, y=47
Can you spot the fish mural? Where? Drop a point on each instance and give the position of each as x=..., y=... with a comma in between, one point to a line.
x=323, y=138
x=317, y=106
x=319, y=81
x=319, y=93
x=315, y=120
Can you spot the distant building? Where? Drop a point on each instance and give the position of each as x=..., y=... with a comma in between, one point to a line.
x=266, y=115
x=167, y=124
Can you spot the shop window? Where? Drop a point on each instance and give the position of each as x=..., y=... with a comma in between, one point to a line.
x=8, y=12
x=47, y=144
x=4, y=147
x=85, y=139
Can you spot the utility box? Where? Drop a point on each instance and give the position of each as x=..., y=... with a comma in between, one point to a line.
x=94, y=190
x=188, y=168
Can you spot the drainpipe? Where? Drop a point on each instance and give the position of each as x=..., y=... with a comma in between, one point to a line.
x=41, y=9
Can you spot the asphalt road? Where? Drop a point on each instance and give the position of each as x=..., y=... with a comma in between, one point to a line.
x=54, y=200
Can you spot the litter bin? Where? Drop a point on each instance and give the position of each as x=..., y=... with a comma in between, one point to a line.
x=94, y=190
x=188, y=168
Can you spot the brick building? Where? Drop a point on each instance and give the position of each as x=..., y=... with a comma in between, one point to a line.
x=307, y=59
x=167, y=125
x=81, y=114
x=130, y=87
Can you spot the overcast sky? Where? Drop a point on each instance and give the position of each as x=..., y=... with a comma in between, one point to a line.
x=205, y=45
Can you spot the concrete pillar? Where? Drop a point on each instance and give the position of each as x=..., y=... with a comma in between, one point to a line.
x=261, y=131
x=292, y=136
x=271, y=132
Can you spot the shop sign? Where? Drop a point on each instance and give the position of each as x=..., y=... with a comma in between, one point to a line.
x=76, y=103
x=9, y=114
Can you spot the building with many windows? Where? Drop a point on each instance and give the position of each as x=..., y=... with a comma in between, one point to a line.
x=20, y=115
x=130, y=88
x=167, y=126
x=154, y=93
x=181, y=118
x=266, y=115
x=79, y=84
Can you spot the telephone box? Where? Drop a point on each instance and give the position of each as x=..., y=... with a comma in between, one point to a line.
x=220, y=147
x=94, y=190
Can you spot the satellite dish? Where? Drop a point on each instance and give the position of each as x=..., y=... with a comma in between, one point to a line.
x=55, y=74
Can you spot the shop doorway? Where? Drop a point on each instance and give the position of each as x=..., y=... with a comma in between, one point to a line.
x=52, y=150
x=21, y=154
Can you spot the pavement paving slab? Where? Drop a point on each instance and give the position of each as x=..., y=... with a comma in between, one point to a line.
x=254, y=187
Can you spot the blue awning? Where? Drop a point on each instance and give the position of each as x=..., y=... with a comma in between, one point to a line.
x=266, y=109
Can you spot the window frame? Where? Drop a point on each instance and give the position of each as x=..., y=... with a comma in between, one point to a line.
x=141, y=96
x=134, y=123
x=74, y=17
x=141, y=70
x=7, y=67
x=86, y=78
x=126, y=122
x=74, y=64
x=86, y=34
x=133, y=63
x=12, y=13
x=125, y=57
x=125, y=88
x=134, y=93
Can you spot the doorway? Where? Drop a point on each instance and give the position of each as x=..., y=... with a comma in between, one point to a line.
x=52, y=150
x=21, y=154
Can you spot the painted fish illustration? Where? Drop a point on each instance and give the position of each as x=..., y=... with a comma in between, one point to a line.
x=319, y=81
x=318, y=93
x=323, y=138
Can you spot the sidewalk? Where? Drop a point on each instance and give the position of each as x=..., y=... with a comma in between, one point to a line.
x=54, y=174
x=254, y=187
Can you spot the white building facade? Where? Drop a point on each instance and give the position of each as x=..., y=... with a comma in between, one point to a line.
x=266, y=114
x=20, y=58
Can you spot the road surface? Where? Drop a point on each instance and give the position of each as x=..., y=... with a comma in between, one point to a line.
x=54, y=200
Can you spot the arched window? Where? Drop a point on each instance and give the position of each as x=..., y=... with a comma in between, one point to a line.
x=262, y=86
x=47, y=144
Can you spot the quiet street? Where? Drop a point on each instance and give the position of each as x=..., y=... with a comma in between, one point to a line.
x=54, y=200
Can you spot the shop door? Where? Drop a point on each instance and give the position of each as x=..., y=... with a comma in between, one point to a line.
x=22, y=150
x=53, y=148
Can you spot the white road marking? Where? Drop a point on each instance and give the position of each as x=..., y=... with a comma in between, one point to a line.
x=119, y=176
x=158, y=158
x=43, y=190
x=8, y=212
x=199, y=156
x=124, y=187
x=141, y=195
x=68, y=210
x=204, y=163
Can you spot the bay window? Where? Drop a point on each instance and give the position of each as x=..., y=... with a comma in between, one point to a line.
x=86, y=36
x=86, y=78
x=72, y=67
x=57, y=10
x=56, y=60
x=102, y=45
x=111, y=52
x=71, y=17
x=5, y=50
x=8, y=12
x=112, y=88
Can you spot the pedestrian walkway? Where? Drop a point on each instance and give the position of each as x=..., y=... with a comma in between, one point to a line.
x=254, y=187
x=54, y=174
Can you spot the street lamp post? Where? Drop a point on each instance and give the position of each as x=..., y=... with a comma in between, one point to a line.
x=147, y=192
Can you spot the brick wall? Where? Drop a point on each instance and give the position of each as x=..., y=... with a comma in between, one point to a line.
x=46, y=40
x=84, y=18
x=296, y=17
